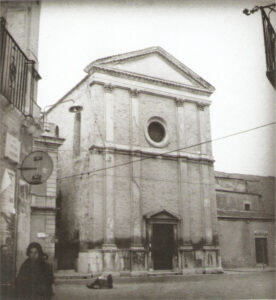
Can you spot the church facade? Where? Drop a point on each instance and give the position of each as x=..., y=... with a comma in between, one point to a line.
x=136, y=181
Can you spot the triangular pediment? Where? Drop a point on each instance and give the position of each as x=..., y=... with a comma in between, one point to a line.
x=162, y=214
x=151, y=63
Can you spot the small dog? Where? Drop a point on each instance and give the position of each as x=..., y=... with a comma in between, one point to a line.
x=102, y=282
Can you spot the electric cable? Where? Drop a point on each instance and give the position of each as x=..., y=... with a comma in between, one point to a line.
x=164, y=153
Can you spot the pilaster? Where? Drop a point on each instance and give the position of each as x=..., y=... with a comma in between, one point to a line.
x=204, y=178
x=202, y=128
x=109, y=173
x=136, y=235
x=149, y=237
x=183, y=174
x=206, y=203
x=184, y=197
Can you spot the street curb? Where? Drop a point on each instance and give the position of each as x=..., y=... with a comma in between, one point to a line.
x=250, y=270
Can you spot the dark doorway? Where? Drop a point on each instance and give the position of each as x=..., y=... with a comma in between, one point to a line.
x=261, y=250
x=162, y=246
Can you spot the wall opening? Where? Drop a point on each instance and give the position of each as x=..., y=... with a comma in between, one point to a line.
x=261, y=250
x=162, y=246
x=247, y=206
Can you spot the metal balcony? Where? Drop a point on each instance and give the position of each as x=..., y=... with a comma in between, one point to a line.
x=18, y=76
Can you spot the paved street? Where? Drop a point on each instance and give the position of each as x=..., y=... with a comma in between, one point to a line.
x=253, y=285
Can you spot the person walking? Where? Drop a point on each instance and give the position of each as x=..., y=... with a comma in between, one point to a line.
x=35, y=278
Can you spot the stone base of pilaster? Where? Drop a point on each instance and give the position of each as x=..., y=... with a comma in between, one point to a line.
x=135, y=261
x=82, y=265
x=197, y=261
x=110, y=259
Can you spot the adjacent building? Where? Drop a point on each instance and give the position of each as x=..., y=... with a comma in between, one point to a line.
x=246, y=219
x=19, y=112
x=27, y=212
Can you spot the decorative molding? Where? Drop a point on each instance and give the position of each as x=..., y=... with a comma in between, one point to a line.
x=158, y=81
x=138, y=151
x=154, y=93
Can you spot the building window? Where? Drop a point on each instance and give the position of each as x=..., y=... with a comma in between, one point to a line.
x=246, y=206
x=156, y=132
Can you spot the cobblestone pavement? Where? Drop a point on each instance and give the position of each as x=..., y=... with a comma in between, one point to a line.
x=254, y=285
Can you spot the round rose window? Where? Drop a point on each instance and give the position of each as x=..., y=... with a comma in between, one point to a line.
x=156, y=131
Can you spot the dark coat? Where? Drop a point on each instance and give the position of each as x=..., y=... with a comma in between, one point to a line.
x=5, y=277
x=34, y=281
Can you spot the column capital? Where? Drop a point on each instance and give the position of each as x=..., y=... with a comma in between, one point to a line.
x=179, y=102
x=134, y=92
x=108, y=87
x=200, y=106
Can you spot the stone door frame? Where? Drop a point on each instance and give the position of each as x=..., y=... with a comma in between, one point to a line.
x=161, y=217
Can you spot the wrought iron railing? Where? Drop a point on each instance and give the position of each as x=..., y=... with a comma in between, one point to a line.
x=17, y=73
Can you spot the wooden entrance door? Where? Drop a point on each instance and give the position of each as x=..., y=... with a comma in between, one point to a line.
x=162, y=246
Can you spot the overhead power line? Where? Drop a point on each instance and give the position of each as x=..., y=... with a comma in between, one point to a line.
x=164, y=153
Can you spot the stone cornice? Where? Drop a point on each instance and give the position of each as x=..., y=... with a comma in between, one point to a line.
x=143, y=152
x=158, y=81
x=236, y=192
x=135, y=92
x=51, y=210
x=53, y=142
x=244, y=215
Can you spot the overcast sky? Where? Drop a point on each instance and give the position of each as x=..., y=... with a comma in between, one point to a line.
x=213, y=38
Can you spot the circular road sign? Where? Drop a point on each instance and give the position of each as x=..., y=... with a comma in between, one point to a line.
x=37, y=167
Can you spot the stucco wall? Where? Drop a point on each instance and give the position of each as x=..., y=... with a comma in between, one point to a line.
x=238, y=227
x=235, y=189
x=237, y=242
